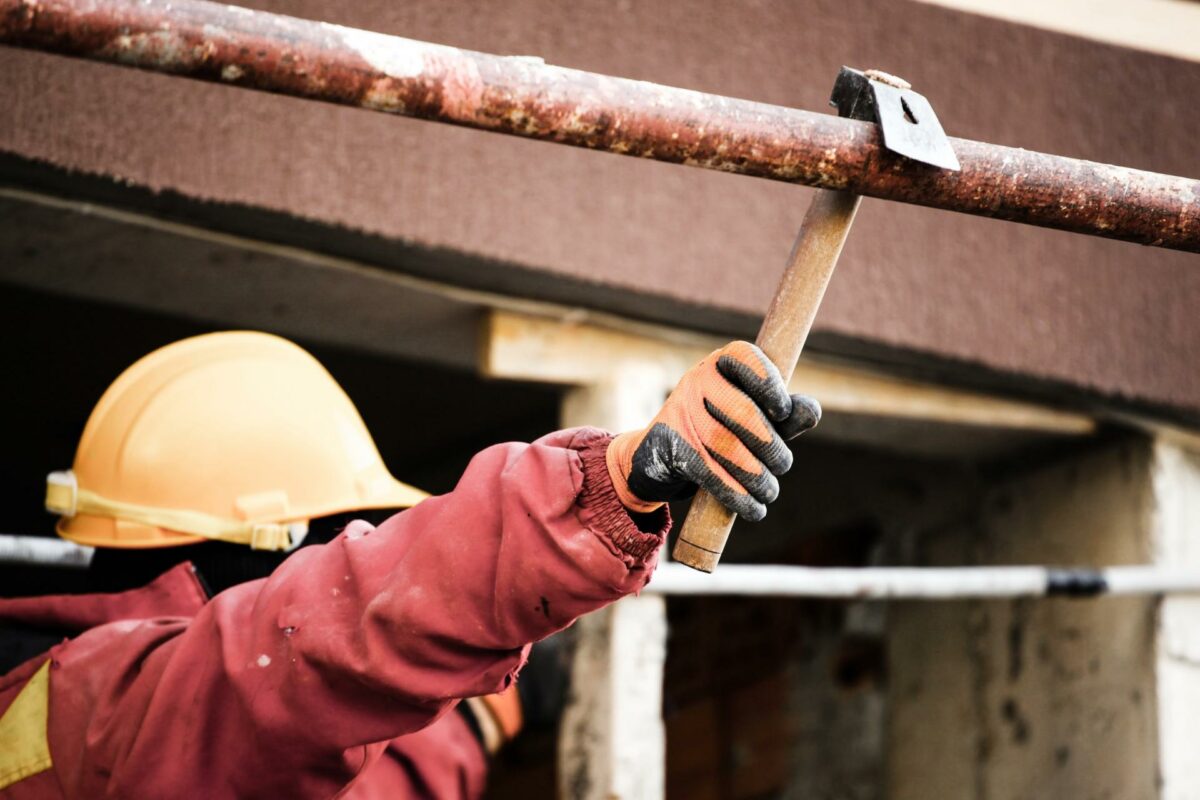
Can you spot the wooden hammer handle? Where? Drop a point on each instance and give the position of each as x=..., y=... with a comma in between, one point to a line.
x=782, y=336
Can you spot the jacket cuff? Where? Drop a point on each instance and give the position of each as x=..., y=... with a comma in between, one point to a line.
x=601, y=508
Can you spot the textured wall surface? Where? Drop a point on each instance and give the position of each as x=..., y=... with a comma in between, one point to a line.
x=1033, y=697
x=1176, y=482
x=1112, y=318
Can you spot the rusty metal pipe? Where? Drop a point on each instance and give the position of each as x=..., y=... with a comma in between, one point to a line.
x=525, y=97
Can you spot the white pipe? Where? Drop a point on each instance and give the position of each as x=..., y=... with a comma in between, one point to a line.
x=919, y=583
x=898, y=583
x=1151, y=580
x=44, y=551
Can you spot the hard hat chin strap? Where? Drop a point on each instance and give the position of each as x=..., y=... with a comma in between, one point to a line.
x=65, y=497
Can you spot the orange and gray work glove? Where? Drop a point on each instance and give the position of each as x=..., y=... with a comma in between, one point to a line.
x=723, y=429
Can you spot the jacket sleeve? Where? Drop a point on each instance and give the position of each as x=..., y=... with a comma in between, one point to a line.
x=277, y=687
x=440, y=762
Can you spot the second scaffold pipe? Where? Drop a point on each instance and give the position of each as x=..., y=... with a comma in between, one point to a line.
x=923, y=583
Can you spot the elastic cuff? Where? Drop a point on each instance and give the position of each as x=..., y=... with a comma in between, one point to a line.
x=604, y=512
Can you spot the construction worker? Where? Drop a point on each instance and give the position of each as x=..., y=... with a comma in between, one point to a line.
x=330, y=671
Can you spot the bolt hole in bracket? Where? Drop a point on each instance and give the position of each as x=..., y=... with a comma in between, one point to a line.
x=906, y=120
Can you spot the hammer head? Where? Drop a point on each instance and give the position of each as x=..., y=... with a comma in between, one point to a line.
x=909, y=125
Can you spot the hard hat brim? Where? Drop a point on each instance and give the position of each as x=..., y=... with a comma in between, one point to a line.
x=394, y=494
x=96, y=531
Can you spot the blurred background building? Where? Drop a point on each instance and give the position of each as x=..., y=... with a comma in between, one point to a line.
x=995, y=394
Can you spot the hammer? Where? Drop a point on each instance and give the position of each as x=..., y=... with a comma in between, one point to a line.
x=909, y=128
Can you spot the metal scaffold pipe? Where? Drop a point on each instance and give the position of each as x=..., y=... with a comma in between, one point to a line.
x=44, y=551
x=770, y=580
x=923, y=583
x=525, y=97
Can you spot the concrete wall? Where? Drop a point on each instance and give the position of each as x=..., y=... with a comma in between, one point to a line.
x=1033, y=698
x=688, y=246
x=1176, y=480
x=787, y=698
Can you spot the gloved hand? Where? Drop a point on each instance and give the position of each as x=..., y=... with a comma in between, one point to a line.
x=723, y=428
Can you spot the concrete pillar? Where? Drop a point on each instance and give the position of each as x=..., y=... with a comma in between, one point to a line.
x=613, y=742
x=1176, y=483
x=1008, y=700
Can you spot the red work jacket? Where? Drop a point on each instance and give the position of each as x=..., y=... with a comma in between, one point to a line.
x=296, y=686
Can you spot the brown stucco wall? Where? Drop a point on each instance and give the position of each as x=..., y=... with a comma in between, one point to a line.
x=1111, y=318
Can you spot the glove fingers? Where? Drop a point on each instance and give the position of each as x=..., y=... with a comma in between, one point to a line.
x=748, y=368
x=806, y=413
x=739, y=414
x=667, y=466
x=707, y=471
x=726, y=455
x=748, y=471
x=723, y=429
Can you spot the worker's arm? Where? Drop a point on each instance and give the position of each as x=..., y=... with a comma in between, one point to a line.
x=279, y=687
x=354, y=642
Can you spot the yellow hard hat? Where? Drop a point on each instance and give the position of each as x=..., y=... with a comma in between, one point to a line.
x=239, y=437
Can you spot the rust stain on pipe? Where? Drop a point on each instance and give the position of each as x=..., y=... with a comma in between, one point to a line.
x=525, y=97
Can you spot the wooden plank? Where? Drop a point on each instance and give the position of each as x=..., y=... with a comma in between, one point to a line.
x=574, y=351
x=846, y=390
x=568, y=351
